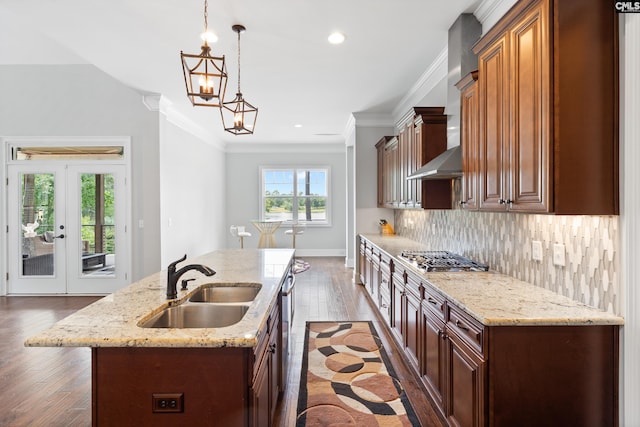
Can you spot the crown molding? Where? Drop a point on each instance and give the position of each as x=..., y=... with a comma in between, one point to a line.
x=490, y=11
x=373, y=120
x=162, y=104
x=429, y=79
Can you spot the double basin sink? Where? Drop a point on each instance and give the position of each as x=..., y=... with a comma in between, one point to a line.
x=214, y=305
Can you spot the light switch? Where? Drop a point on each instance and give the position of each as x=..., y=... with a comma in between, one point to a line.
x=536, y=250
x=558, y=255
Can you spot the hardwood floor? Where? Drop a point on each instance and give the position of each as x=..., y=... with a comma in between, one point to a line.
x=52, y=386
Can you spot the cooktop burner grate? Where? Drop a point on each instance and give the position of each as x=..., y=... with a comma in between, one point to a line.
x=442, y=261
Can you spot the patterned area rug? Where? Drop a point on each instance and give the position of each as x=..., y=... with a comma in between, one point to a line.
x=300, y=266
x=347, y=379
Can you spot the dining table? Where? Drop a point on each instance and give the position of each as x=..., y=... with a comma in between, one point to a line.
x=267, y=229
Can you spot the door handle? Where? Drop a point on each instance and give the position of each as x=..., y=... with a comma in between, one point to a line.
x=60, y=236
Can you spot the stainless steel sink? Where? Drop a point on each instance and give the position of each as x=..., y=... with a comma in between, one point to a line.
x=197, y=316
x=237, y=292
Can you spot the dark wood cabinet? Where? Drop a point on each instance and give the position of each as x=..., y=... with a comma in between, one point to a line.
x=434, y=358
x=465, y=378
x=412, y=315
x=388, y=182
x=548, y=112
x=260, y=396
x=422, y=136
x=397, y=295
x=235, y=386
x=469, y=140
x=386, y=270
x=499, y=375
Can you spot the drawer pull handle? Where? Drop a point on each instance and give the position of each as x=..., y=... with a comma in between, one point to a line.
x=272, y=348
x=432, y=301
x=461, y=325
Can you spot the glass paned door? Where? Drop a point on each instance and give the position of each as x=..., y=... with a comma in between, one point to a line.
x=36, y=230
x=96, y=208
x=67, y=231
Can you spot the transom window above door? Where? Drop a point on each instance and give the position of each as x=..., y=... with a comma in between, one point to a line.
x=295, y=195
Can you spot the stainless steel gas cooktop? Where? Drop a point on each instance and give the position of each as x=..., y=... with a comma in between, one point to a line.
x=442, y=261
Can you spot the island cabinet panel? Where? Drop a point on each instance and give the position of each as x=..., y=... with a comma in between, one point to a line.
x=548, y=111
x=213, y=382
x=230, y=386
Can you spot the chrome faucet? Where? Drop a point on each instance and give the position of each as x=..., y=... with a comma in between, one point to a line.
x=173, y=275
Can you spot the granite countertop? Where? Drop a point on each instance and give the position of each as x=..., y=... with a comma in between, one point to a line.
x=496, y=299
x=113, y=320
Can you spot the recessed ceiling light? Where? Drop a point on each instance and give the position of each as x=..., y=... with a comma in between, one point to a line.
x=297, y=126
x=209, y=37
x=336, y=38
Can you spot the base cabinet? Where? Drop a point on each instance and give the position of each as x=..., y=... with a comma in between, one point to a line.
x=465, y=385
x=230, y=386
x=493, y=376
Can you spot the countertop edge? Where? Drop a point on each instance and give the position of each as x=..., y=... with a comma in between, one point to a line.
x=119, y=329
x=436, y=281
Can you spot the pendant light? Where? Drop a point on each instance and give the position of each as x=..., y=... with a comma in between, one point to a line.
x=205, y=76
x=238, y=116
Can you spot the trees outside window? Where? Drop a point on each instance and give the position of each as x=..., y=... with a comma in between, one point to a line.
x=295, y=194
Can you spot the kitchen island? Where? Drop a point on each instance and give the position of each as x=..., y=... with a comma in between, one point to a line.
x=492, y=350
x=230, y=375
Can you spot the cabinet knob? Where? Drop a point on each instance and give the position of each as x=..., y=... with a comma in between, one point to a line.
x=272, y=348
x=462, y=203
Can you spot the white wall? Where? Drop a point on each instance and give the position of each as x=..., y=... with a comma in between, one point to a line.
x=81, y=100
x=368, y=214
x=243, y=188
x=192, y=194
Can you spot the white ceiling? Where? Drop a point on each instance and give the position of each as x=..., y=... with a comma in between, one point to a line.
x=289, y=70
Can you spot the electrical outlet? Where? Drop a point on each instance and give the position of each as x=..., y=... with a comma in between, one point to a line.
x=536, y=250
x=167, y=402
x=559, y=255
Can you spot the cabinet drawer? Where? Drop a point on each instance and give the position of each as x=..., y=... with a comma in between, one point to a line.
x=468, y=329
x=435, y=302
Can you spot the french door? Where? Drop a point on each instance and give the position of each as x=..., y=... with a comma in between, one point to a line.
x=67, y=228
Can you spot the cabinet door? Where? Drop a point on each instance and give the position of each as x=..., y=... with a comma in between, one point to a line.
x=465, y=387
x=434, y=357
x=392, y=168
x=411, y=330
x=397, y=285
x=530, y=105
x=403, y=156
x=382, y=173
x=416, y=184
x=470, y=142
x=274, y=374
x=260, y=399
x=494, y=122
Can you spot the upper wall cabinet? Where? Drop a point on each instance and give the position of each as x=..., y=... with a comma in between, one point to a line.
x=468, y=87
x=547, y=110
x=422, y=137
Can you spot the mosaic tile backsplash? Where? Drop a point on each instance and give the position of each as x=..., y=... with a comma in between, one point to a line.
x=504, y=241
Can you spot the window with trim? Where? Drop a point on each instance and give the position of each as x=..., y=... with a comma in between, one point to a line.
x=295, y=194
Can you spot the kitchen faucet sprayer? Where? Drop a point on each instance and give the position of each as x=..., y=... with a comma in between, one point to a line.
x=173, y=275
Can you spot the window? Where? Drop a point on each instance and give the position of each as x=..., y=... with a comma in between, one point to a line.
x=295, y=195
